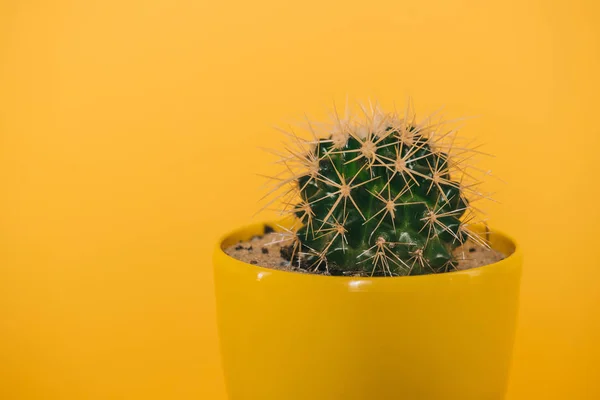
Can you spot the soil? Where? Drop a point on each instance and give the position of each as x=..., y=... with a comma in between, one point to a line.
x=272, y=250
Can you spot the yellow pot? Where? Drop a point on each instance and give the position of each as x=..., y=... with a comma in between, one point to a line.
x=292, y=336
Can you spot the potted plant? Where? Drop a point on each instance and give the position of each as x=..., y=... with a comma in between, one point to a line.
x=380, y=284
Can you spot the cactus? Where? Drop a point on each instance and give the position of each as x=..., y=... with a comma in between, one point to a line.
x=382, y=195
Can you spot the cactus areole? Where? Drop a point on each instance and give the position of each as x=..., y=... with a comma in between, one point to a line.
x=380, y=194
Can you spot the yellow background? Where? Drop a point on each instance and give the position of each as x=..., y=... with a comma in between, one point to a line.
x=129, y=140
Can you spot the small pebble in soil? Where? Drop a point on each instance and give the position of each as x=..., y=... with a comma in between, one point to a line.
x=269, y=229
x=249, y=248
x=472, y=250
x=253, y=262
x=239, y=247
x=286, y=252
x=264, y=250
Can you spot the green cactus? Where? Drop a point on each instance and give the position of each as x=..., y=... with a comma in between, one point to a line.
x=383, y=196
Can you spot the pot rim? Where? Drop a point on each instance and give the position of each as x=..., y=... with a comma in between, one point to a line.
x=508, y=261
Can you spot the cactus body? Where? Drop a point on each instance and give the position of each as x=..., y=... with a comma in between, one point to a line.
x=379, y=198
